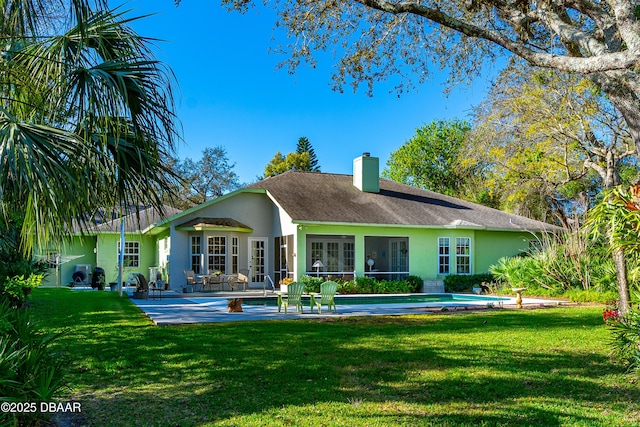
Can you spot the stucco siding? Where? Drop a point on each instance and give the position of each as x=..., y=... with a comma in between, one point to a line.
x=486, y=247
x=253, y=210
x=493, y=245
x=77, y=250
x=107, y=245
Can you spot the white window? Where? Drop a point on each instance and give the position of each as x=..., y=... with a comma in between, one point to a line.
x=217, y=250
x=234, y=255
x=443, y=255
x=463, y=255
x=131, y=254
x=196, y=254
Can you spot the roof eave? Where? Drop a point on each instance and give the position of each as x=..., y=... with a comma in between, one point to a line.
x=215, y=228
x=416, y=226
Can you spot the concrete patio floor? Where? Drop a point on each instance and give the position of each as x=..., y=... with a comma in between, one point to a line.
x=176, y=309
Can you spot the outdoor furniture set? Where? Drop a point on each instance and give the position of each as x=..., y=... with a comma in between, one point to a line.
x=217, y=280
x=295, y=293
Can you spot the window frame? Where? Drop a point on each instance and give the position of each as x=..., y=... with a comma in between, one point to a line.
x=463, y=252
x=217, y=261
x=131, y=258
x=444, y=259
x=196, y=257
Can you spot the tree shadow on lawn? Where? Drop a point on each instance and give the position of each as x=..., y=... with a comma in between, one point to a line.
x=431, y=369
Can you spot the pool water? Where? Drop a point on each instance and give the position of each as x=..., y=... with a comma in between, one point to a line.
x=388, y=299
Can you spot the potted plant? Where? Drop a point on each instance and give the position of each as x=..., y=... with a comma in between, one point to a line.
x=284, y=284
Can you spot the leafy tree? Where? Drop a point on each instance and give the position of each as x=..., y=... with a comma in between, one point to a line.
x=378, y=39
x=205, y=179
x=304, y=146
x=86, y=115
x=293, y=161
x=552, y=141
x=432, y=158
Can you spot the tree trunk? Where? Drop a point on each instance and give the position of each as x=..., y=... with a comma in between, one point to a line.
x=623, y=285
x=626, y=101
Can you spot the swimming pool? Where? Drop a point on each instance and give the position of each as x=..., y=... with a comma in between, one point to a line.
x=271, y=301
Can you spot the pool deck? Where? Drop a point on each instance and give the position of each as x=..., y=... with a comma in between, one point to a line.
x=177, y=309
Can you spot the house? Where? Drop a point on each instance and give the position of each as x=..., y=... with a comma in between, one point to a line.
x=338, y=225
x=100, y=245
x=319, y=224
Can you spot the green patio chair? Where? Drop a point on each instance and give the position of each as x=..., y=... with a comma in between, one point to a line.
x=326, y=296
x=292, y=297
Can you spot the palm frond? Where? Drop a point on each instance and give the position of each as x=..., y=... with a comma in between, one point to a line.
x=82, y=113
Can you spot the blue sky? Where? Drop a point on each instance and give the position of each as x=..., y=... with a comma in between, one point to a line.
x=230, y=94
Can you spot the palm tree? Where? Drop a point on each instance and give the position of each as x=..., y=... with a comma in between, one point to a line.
x=86, y=115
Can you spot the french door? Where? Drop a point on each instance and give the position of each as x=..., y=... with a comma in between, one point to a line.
x=257, y=260
x=398, y=249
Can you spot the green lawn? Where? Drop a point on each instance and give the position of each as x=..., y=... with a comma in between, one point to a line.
x=545, y=367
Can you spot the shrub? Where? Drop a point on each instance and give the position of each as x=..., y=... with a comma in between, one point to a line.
x=391, y=287
x=465, y=282
x=311, y=284
x=626, y=340
x=415, y=283
x=16, y=289
x=347, y=287
x=29, y=370
x=581, y=295
x=369, y=285
x=365, y=285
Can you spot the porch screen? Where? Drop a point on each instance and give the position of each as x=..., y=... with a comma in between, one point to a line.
x=336, y=253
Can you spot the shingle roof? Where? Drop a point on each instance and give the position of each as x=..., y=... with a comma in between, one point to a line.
x=332, y=198
x=132, y=223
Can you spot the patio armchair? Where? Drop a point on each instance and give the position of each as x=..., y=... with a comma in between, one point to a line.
x=191, y=279
x=292, y=297
x=142, y=288
x=326, y=296
x=243, y=278
x=232, y=281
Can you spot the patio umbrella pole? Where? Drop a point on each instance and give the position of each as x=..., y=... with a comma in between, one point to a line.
x=121, y=255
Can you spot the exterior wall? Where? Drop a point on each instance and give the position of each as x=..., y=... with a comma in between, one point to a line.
x=486, y=246
x=102, y=251
x=498, y=244
x=107, y=255
x=255, y=210
x=78, y=250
